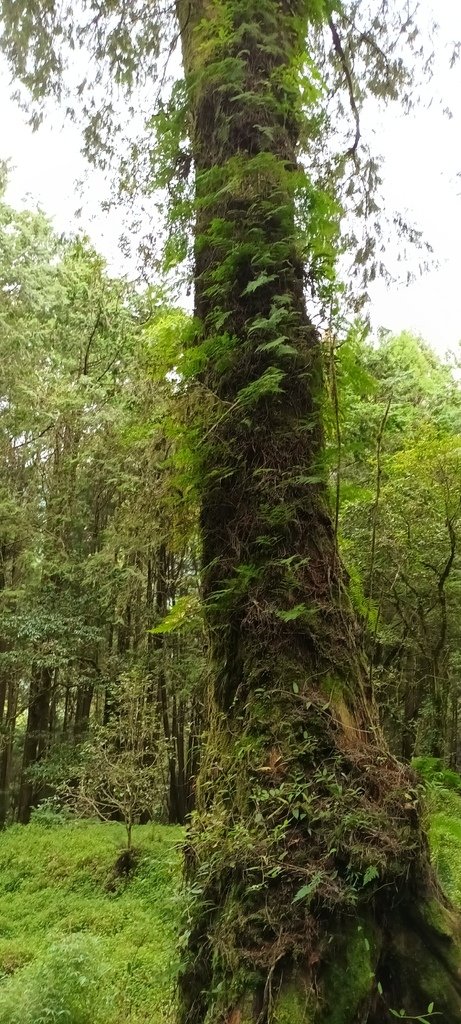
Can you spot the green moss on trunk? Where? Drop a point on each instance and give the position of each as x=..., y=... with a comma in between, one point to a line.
x=349, y=978
x=293, y=1005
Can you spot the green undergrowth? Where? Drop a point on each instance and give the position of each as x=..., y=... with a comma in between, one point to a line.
x=443, y=798
x=79, y=942
x=445, y=840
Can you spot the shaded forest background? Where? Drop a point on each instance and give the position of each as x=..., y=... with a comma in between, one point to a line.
x=103, y=658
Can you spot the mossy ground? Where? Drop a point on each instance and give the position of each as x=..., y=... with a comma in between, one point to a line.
x=445, y=841
x=63, y=917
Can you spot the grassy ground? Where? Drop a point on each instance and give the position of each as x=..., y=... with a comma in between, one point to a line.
x=79, y=946
x=445, y=840
x=76, y=945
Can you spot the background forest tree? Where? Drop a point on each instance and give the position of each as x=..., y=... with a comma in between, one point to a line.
x=398, y=415
x=94, y=550
x=306, y=825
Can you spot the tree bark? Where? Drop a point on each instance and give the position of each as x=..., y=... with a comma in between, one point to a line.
x=36, y=738
x=314, y=897
x=84, y=700
x=6, y=755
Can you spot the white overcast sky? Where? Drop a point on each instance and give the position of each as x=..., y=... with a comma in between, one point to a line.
x=422, y=155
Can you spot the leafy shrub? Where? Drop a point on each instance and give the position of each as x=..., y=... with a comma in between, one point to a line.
x=51, y=814
x=66, y=985
x=434, y=772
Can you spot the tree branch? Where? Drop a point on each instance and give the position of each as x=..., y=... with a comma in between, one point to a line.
x=338, y=46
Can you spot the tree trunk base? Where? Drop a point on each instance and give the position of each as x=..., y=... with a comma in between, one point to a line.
x=410, y=964
x=314, y=900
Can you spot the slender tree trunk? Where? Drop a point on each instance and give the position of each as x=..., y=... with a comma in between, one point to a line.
x=454, y=725
x=36, y=738
x=307, y=854
x=111, y=702
x=6, y=684
x=178, y=777
x=440, y=672
x=413, y=696
x=193, y=753
x=66, y=715
x=167, y=707
x=3, y=690
x=83, y=709
x=6, y=755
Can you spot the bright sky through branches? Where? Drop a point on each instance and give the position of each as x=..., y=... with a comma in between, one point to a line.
x=422, y=179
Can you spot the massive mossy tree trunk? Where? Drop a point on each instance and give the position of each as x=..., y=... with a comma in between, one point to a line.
x=314, y=899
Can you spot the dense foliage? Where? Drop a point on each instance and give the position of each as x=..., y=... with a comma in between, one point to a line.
x=95, y=549
x=99, y=529
x=395, y=458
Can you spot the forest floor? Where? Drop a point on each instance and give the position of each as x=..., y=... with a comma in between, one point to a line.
x=81, y=944
x=78, y=943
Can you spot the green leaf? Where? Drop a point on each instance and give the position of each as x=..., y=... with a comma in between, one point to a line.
x=278, y=345
x=370, y=874
x=259, y=282
x=184, y=614
x=268, y=323
x=293, y=613
x=309, y=889
x=268, y=384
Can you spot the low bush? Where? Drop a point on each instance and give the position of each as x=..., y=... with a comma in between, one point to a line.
x=67, y=984
x=433, y=771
